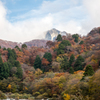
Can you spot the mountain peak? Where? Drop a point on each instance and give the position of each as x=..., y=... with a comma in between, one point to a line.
x=53, y=33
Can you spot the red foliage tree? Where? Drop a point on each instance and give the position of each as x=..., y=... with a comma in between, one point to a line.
x=45, y=62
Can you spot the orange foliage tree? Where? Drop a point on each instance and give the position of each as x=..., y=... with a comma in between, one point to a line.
x=45, y=62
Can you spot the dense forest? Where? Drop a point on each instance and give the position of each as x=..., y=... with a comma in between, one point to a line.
x=66, y=69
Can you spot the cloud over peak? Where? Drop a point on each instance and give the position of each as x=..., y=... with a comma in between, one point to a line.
x=72, y=16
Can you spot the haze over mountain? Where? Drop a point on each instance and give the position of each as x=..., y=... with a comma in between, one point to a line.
x=23, y=21
x=49, y=35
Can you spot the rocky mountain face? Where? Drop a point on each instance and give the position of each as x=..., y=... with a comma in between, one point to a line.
x=53, y=33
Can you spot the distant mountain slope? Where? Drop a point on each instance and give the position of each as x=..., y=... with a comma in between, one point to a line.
x=94, y=31
x=8, y=44
x=53, y=33
x=94, y=36
x=36, y=43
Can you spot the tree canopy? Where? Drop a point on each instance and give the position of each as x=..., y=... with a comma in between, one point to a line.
x=59, y=38
x=37, y=63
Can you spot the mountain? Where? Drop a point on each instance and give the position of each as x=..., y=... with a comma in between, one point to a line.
x=9, y=44
x=53, y=33
x=36, y=43
x=94, y=32
x=50, y=35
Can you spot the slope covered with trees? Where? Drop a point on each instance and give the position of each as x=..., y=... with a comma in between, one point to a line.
x=66, y=69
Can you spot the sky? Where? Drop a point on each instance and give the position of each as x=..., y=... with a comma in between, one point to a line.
x=25, y=20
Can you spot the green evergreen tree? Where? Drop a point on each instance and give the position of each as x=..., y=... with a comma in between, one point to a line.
x=4, y=69
x=17, y=48
x=4, y=49
x=65, y=63
x=24, y=46
x=48, y=56
x=19, y=69
x=1, y=68
x=60, y=51
x=80, y=58
x=78, y=63
x=72, y=58
x=37, y=63
x=62, y=46
x=14, y=54
x=10, y=67
x=89, y=71
x=17, y=64
x=81, y=42
x=19, y=73
x=71, y=70
x=59, y=38
x=66, y=43
x=76, y=37
x=11, y=60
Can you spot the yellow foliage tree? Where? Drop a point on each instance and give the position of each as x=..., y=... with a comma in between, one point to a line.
x=66, y=97
x=9, y=87
x=38, y=72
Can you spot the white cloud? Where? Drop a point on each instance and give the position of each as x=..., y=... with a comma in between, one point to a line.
x=65, y=15
x=49, y=15
x=91, y=8
x=23, y=30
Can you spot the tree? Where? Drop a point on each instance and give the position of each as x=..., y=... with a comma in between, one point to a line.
x=66, y=43
x=17, y=64
x=62, y=45
x=71, y=70
x=1, y=68
x=12, y=53
x=4, y=69
x=88, y=71
x=59, y=38
x=45, y=62
x=4, y=48
x=65, y=63
x=11, y=61
x=78, y=63
x=80, y=58
x=19, y=73
x=37, y=63
x=17, y=48
x=48, y=56
x=76, y=37
x=24, y=46
x=81, y=42
x=72, y=58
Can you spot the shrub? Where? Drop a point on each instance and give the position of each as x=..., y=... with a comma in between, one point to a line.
x=2, y=95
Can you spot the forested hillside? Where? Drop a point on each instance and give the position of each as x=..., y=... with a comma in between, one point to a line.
x=66, y=69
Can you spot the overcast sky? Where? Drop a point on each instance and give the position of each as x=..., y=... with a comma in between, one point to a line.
x=25, y=20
